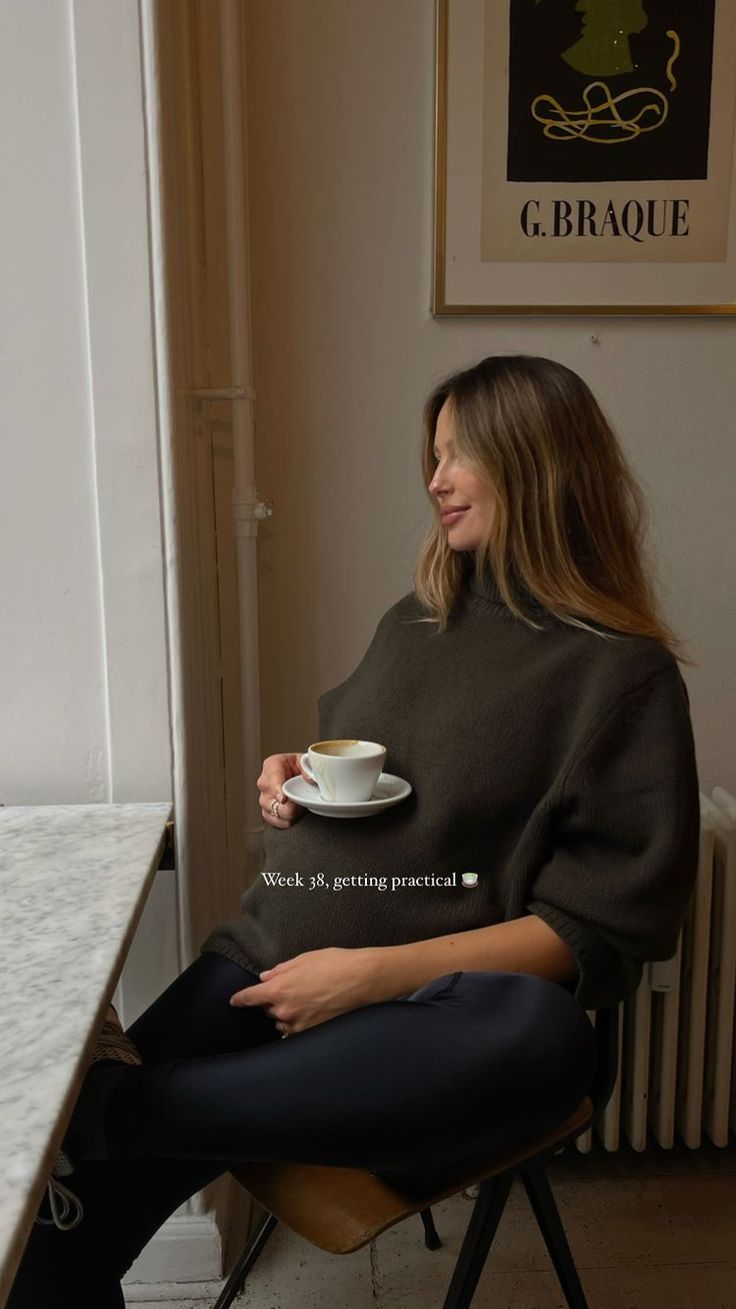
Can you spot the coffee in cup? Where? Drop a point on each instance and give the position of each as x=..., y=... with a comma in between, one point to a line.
x=346, y=771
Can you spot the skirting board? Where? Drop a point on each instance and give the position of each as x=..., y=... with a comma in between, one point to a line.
x=186, y=1249
x=180, y=1293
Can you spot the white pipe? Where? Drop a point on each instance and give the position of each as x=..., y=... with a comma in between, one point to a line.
x=247, y=508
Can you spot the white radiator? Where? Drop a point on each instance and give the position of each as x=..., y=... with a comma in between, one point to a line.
x=677, y=1055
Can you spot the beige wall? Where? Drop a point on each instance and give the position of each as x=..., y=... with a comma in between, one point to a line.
x=340, y=111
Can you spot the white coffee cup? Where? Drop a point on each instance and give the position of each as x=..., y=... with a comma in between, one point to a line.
x=346, y=771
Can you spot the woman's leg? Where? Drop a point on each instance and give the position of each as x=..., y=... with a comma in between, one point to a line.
x=465, y=1063
x=124, y=1205
x=192, y=1017
x=126, y=1201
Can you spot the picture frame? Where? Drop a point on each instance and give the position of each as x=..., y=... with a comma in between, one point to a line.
x=581, y=169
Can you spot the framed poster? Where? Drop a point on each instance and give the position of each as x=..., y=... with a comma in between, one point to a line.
x=584, y=157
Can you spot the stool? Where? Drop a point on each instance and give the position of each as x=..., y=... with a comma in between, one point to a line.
x=342, y=1209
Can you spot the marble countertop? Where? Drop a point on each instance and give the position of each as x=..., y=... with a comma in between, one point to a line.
x=73, y=882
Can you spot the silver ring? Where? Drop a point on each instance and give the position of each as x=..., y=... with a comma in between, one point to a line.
x=274, y=807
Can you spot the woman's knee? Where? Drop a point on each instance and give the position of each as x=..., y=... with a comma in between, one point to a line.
x=521, y=1011
x=494, y=991
x=437, y=987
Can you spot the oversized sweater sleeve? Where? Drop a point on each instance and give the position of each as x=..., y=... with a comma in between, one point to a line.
x=625, y=841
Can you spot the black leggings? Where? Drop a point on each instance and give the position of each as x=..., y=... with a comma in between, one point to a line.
x=466, y=1062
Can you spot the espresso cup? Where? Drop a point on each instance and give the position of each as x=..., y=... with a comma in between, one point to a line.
x=345, y=771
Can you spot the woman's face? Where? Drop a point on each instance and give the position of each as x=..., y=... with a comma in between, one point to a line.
x=465, y=500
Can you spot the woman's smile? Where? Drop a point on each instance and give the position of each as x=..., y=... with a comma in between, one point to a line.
x=452, y=515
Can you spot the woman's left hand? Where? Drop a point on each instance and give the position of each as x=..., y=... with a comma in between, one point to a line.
x=312, y=987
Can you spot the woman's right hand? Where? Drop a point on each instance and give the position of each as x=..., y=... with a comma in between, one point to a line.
x=276, y=769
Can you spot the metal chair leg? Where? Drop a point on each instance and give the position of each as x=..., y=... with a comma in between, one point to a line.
x=550, y=1224
x=236, y=1280
x=482, y=1227
x=431, y=1235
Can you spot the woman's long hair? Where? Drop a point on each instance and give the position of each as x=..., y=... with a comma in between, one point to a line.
x=569, y=517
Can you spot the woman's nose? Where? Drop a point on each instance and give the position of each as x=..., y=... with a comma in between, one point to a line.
x=439, y=480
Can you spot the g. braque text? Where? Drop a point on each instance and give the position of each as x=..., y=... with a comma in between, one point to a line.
x=637, y=220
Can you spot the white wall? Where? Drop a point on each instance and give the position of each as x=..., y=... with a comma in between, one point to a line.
x=83, y=678
x=341, y=112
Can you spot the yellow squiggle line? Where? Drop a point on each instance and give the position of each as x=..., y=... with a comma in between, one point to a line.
x=673, y=57
x=580, y=124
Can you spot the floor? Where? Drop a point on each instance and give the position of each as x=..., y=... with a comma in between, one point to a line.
x=649, y=1231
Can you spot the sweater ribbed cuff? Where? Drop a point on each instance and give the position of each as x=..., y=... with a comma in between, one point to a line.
x=605, y=976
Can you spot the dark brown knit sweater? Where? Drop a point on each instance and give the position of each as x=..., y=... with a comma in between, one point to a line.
x=557, y=764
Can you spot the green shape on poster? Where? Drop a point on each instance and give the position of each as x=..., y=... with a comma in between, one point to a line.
x=603, y=49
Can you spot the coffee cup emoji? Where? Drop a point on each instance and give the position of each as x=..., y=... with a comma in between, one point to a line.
x=470, y=879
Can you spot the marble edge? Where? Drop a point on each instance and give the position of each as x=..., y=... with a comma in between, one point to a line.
x=142, y=807
x=13, y=1241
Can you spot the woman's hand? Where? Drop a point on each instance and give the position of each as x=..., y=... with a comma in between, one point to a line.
x=276, y=769
x=312, y=987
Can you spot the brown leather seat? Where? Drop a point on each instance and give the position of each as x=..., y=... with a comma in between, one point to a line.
x=342, y=1209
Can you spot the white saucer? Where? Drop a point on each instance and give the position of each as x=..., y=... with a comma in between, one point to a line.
x=388, y=790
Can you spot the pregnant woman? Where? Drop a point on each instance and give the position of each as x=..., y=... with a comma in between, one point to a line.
x=529, y=691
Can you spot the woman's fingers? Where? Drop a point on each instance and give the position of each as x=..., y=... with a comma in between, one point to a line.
x=277, y=809
x=284, y=813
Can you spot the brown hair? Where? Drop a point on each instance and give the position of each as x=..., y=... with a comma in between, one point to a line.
x=569, y=517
